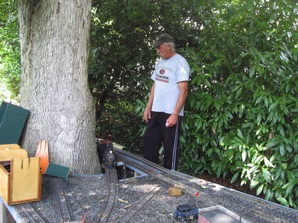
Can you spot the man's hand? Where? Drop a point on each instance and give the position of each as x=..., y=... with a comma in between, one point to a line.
x=147, y=114
x=172, y=120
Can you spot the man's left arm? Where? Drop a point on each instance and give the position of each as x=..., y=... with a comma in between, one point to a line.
x=172, y=120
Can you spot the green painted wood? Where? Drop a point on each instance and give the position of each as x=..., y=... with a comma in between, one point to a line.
x=2, y=110
x=12, y=122
x=57, y=170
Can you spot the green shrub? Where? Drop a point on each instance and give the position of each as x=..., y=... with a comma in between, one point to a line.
x=242, y=108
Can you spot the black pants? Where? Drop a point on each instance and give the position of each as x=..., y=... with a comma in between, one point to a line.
x=156, y=135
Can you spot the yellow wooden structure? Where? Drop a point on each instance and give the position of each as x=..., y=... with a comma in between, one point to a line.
x=9, y=151
x=20, y=176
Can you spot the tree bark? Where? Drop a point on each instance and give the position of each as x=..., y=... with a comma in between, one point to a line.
x=54, y=36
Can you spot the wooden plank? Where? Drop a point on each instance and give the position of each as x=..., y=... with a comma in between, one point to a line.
x=57, y=170
x=12, y=123
x=10, y=146
x=4, y=183
x=26, y=180
x=10, y=151
x=2, y=110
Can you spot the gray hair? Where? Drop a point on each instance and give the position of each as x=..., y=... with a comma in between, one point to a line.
x=172, y=45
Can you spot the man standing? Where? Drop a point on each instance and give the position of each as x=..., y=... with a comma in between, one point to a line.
x=165, y=106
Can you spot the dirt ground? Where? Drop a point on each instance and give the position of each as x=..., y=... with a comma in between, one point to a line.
x=226, y=182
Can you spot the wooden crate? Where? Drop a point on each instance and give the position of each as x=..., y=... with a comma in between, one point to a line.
x=10, y=151
x=20, y=181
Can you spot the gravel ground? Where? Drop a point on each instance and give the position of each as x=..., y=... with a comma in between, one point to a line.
x=143, y=200
x=85, y=196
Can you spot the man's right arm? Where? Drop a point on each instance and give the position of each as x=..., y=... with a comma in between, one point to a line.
x=147, y=112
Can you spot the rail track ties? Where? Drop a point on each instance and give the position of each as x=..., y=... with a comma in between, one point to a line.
x=33, y=215
x=137, y=206
x=60, y=199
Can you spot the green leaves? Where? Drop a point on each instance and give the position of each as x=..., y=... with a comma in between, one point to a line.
x=10, y=67
x=242, y=108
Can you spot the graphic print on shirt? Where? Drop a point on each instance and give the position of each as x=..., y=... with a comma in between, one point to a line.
x=163, y=74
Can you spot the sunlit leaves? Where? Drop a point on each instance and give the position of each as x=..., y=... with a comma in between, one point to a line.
x=243, y=102
x=10, y=68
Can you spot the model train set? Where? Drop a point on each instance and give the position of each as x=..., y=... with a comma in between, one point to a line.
x=108, y=159
x=141, y=199
x=142, y=196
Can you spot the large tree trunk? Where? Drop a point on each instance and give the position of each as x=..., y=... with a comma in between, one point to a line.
x=54, y=37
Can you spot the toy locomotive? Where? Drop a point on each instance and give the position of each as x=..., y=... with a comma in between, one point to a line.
x=106, y=154
x=110, y=159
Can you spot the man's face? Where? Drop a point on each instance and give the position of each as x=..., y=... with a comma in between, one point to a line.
x=164, y=50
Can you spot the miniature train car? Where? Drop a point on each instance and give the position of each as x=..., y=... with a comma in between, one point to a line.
x=186, y=212
x=106, y=154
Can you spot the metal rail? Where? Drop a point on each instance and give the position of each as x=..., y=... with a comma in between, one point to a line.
x=136, y=207
x=168, y=176
x=111, y=200
x=60, y=199
x=32, y=214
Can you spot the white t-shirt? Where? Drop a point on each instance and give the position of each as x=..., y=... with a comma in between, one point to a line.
x=167, y=74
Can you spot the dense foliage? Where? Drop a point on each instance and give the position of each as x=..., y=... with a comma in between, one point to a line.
x=10, y=72
x=242, y=110
x=241, y=113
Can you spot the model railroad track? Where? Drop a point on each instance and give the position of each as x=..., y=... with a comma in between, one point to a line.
x=168, y=176
x=149, y=167
x=136, y=207
x=31, y=214
x=111, y=201
x=60, y=199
